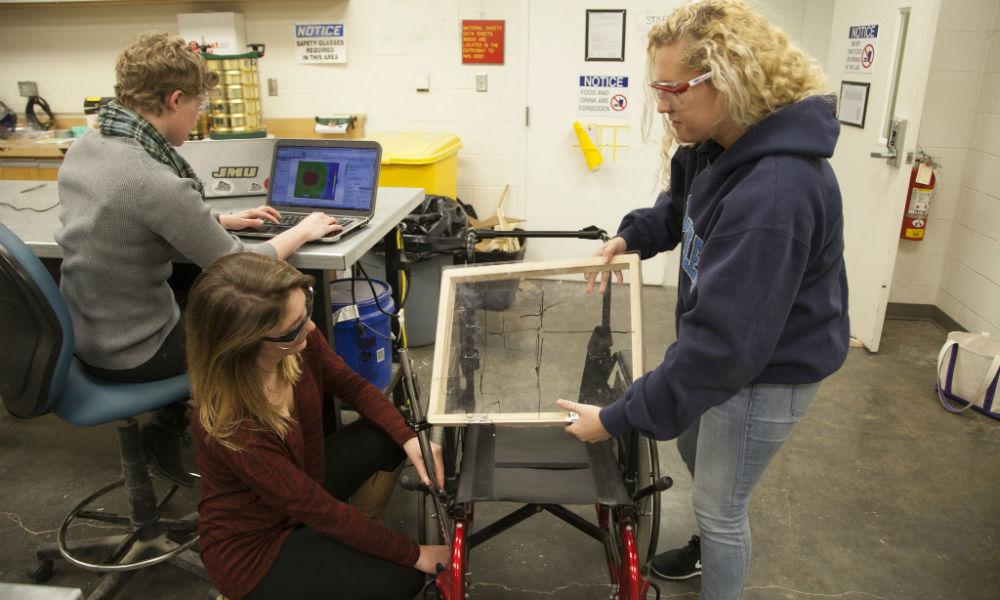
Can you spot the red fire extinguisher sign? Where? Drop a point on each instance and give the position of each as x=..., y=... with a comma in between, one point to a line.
x=918, y=202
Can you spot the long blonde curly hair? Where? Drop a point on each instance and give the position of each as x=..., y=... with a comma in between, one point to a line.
x=755, y=68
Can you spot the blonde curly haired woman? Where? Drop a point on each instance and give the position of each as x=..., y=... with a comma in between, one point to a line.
x=761, y=311
x=274, y=477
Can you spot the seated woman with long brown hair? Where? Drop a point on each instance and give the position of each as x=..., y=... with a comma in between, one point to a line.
x=273, y=518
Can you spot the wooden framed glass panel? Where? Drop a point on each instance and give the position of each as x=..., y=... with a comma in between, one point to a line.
x=512, y=338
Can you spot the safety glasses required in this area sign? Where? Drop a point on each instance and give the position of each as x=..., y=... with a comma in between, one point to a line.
x=319, y=43
x=603, y=96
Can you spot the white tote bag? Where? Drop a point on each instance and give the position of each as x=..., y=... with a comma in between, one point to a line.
x=968, y=368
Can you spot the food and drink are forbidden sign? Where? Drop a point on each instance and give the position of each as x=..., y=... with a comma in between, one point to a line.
x=603, y=96
x=862, y=41
x=319, y=43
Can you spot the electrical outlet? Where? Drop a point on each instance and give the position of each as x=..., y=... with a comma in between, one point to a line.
x=27, y=88
x=481, y=82
x=272, y=86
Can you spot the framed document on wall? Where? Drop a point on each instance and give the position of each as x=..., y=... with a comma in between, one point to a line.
x=853, y=105
x=605, y=35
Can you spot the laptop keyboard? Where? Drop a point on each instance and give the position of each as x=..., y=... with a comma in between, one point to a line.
x=293, y=220
x=290, y=220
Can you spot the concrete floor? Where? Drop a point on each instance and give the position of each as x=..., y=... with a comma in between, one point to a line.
x=879, y=494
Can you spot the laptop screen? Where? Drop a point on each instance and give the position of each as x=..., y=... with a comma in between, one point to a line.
x=330, y=179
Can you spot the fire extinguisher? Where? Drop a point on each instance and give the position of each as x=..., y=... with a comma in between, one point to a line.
x=918, y=198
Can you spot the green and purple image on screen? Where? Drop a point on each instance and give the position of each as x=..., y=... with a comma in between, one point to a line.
x=316, y=179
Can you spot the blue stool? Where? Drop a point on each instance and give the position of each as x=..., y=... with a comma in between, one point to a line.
x=41, y=375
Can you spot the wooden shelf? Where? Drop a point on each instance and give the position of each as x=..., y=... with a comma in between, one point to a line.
x=304, y=127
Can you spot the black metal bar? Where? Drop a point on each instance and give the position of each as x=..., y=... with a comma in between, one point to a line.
x=577, y=521
x=123, y=548
x=93, y=515
x=392, y=278
x=582, y=234
x=170, y=494
x=606, y=301
x=178, y=525
x=500, y=525
x=322, y=316
x=141, y=498
x=393, y=265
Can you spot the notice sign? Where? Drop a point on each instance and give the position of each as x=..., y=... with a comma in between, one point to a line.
x=482, y=42
x=603, y=95
x=319, y=43
x=862, y=40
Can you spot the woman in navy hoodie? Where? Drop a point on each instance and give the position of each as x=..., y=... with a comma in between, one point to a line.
x=762, y=295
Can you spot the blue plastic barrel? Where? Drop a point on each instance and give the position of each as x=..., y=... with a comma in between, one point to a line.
x=364, y=343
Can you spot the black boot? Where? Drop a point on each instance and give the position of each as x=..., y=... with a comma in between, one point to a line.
x=162, y=438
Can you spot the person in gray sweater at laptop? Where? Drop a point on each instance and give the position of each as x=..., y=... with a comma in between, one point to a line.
x=129, y=205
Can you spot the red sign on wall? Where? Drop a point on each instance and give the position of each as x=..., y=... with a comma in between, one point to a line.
x=482, y=42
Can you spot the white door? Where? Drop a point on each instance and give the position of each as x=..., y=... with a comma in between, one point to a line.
x=560, y=192
x=873, y=189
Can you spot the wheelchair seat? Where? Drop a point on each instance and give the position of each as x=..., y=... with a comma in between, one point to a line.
x=542, y=465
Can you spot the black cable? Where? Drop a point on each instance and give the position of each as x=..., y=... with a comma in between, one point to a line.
x=38, y=210
x=8, y=121
x=375, y=294
x=32, y=118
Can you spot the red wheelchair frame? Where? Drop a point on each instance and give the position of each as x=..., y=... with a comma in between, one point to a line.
x=617, y=525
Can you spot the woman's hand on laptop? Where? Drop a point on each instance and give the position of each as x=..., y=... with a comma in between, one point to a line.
x=253, y=217
x=313, y=227
x=317, y=225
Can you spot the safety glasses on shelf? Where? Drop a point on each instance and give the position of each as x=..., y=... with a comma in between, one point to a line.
x=293, y=334
x=665, y=89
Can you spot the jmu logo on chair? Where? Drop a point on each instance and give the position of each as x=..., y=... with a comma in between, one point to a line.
x=235, y=172
x=691, y=254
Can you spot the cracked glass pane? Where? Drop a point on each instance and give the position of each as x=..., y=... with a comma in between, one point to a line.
x=520, y=343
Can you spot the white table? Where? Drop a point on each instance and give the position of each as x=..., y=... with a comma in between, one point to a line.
x=38, y=230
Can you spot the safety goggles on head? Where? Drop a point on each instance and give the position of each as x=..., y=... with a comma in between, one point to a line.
x=676, y=88
x=293, y=334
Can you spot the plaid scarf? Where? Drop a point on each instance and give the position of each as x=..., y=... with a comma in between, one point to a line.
x=116, y=120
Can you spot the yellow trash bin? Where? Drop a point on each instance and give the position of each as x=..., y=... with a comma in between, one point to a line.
x=420, y=159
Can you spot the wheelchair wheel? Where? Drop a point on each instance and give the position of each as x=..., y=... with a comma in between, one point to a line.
x=648, y=510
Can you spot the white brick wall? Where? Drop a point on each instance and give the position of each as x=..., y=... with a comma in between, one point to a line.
x=70, y=51
x=957, y=266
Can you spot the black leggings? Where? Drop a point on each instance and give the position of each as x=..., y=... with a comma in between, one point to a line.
x=314, y=565
x=169, y=360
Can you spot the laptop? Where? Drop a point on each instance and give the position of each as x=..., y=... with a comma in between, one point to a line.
x=231, y=167
x=337, y=177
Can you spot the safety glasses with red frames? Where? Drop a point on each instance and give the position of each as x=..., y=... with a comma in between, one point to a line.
x=665, y=89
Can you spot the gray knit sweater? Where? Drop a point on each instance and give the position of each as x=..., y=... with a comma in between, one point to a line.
x=125, y=216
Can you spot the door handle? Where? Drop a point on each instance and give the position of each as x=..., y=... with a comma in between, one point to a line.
x=893, y=142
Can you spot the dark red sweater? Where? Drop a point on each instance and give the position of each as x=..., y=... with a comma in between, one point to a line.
x=253, y=499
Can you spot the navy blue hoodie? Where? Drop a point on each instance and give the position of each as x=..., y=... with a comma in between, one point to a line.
x=762, y=292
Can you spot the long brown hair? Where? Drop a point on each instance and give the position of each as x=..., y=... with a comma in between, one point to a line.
x=231, y=308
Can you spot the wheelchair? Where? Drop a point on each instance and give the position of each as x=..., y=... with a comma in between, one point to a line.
x=542, y=468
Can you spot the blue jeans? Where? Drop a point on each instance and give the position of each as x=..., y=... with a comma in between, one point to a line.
x=727, y=452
